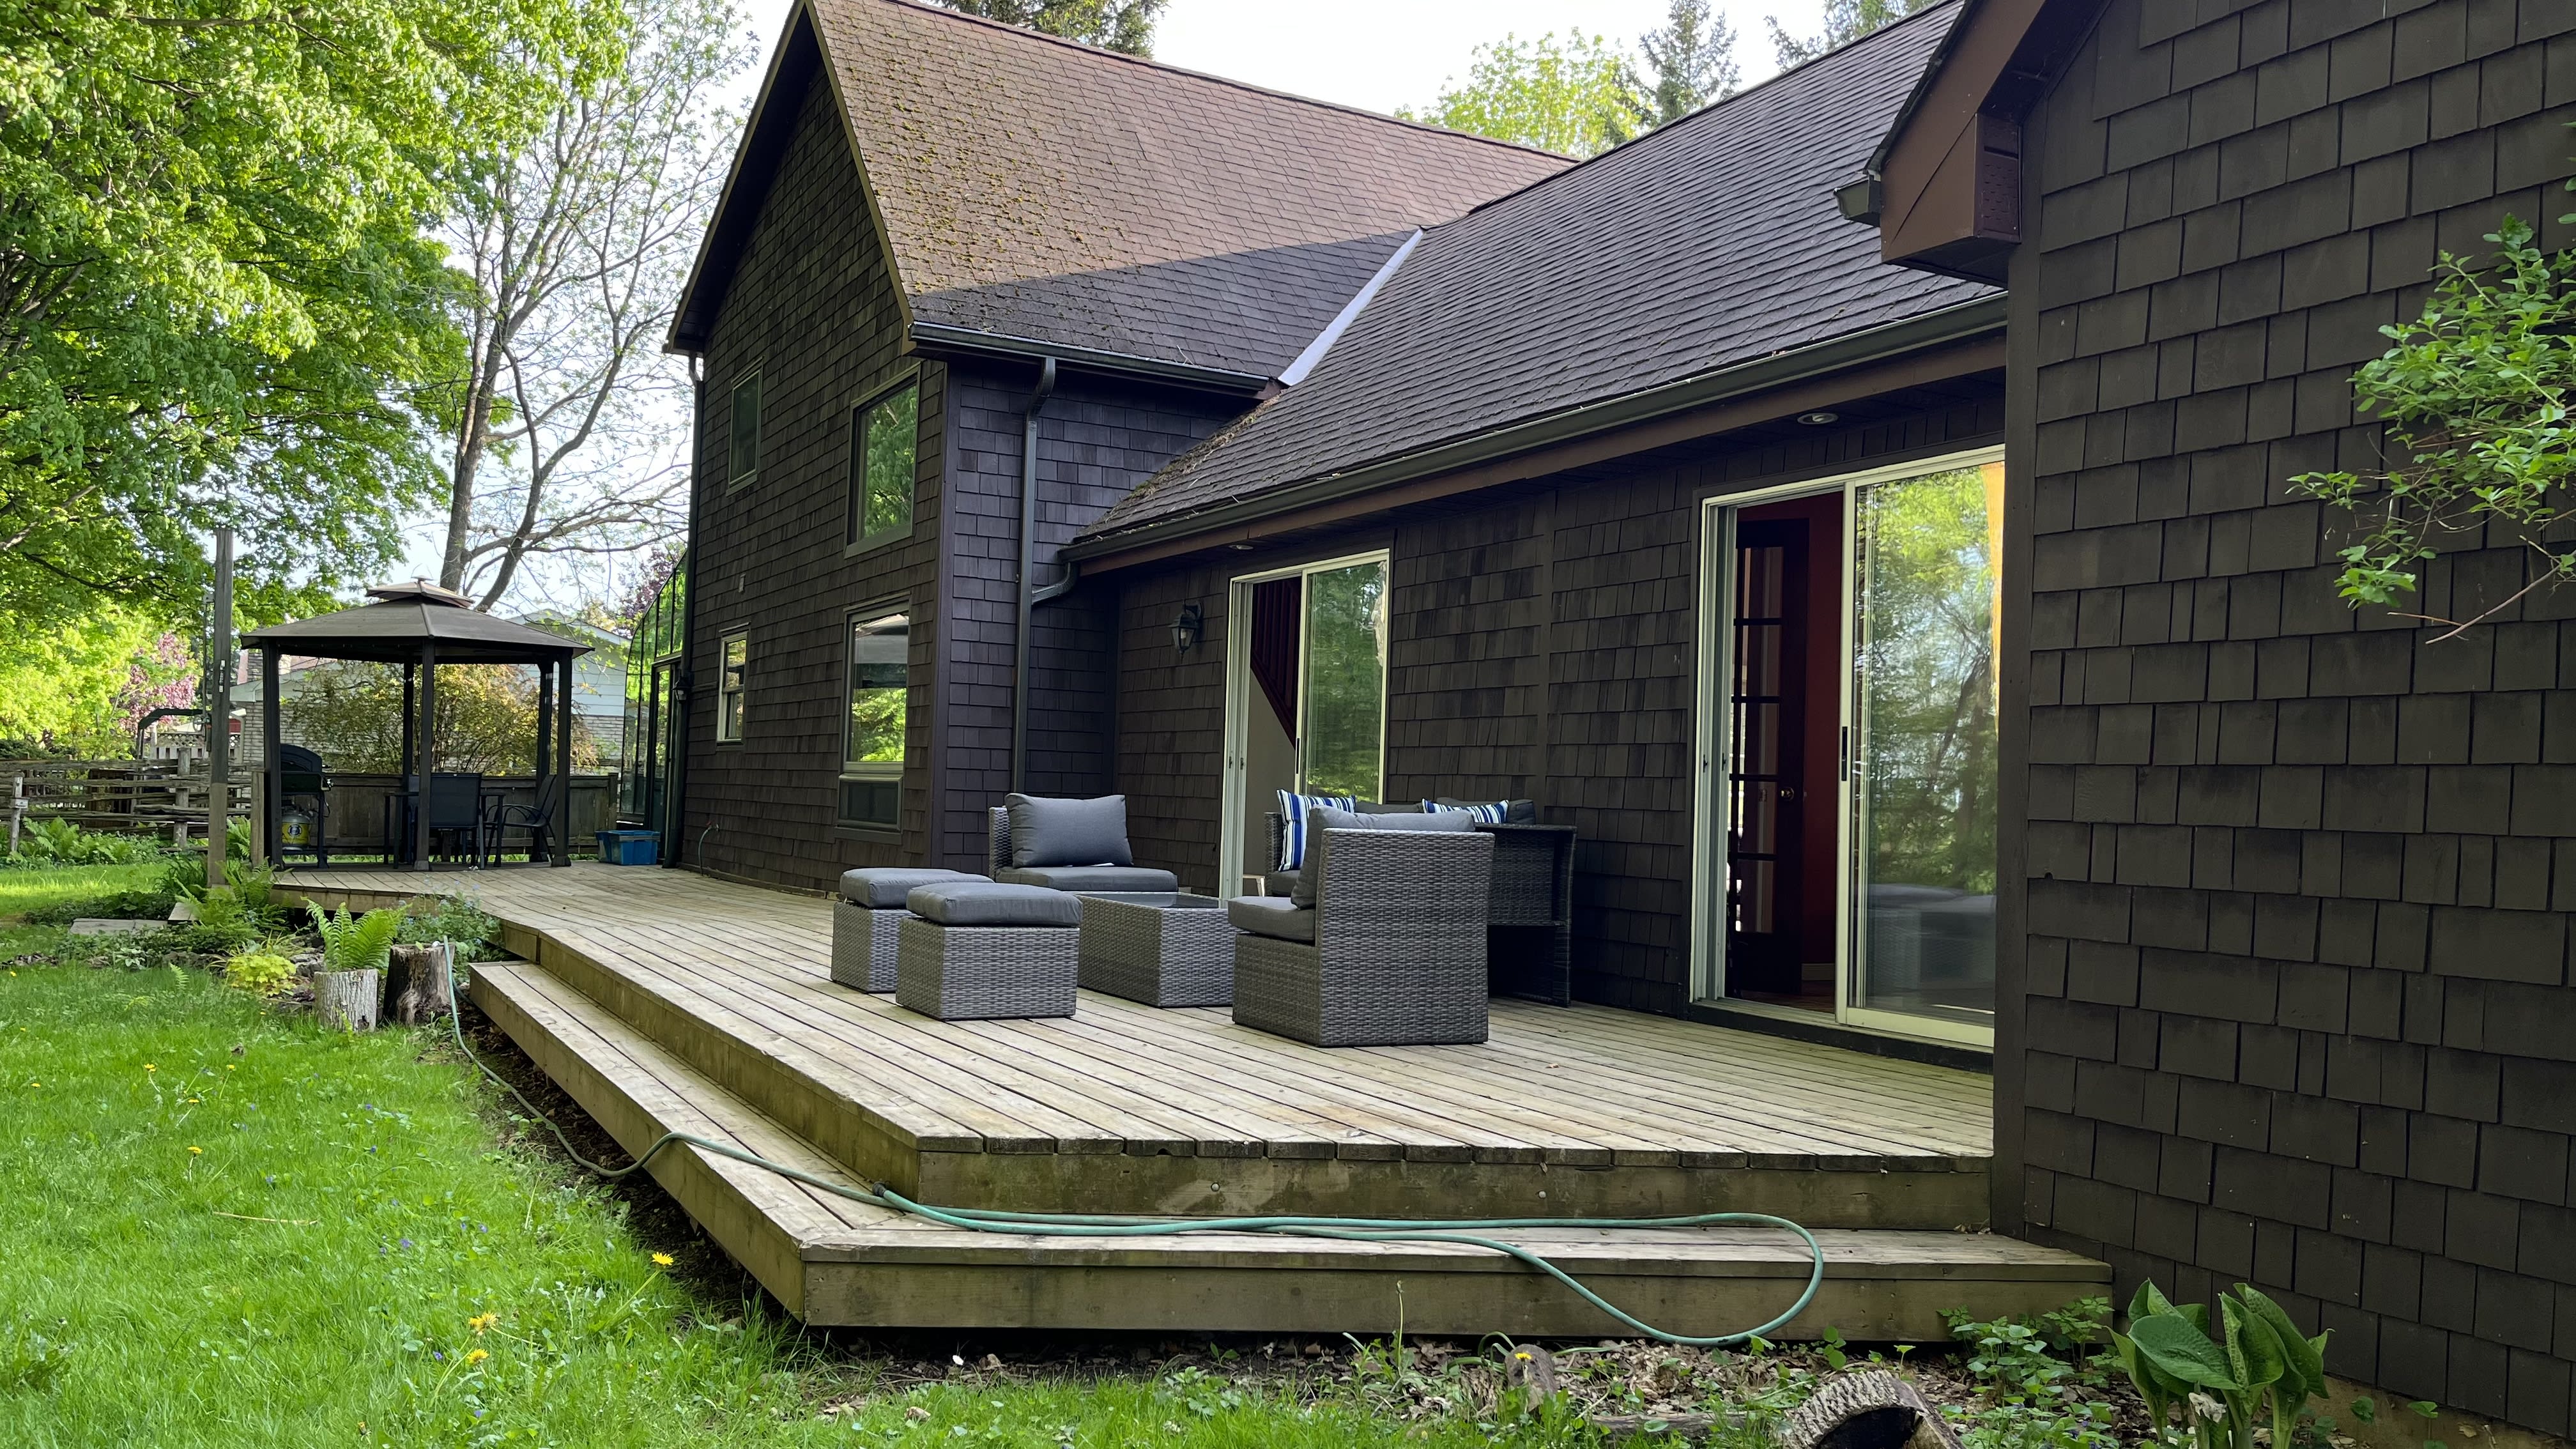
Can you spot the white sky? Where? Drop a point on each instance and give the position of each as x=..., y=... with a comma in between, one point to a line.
x=1374, y=54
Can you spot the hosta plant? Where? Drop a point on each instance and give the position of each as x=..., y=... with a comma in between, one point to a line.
x=2256, y=1370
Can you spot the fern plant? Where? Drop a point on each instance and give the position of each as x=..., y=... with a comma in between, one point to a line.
x=357, y=943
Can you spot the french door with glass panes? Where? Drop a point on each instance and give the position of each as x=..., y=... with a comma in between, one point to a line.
x=1305, y=696
x=1847, y=770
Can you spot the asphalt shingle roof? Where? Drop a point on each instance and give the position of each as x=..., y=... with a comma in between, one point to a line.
x=1712, y=242
x=1038, y=189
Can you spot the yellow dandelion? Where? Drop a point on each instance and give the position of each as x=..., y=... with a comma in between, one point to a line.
x=147, y=1066
x=477, y=1356
x=482, y=1321
x=35, y=1084
x=663, y=1260
x=196, y=1152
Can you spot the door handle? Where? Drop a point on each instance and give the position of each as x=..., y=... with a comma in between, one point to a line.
x=1847, y=759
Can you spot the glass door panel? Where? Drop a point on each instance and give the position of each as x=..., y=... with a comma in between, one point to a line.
x=1341, y=744
x=1923, y=811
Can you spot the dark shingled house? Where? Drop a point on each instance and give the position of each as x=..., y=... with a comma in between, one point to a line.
x=1858, y=508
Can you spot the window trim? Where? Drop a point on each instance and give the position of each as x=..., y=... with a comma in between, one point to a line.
x=854, y=496
x=759, y=421
x=841, y=775
x=741, y=691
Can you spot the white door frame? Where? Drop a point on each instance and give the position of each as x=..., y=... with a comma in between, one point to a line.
x=1231, y=821
x=1710, y=820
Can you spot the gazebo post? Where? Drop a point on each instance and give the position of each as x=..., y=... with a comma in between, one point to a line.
x=272, y=763
x=428, y=756
x=543, y=761
x=410, y=747
x=559, y=823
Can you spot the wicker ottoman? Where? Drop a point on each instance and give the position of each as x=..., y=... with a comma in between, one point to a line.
x=1158, y=947
x=974, y=950
x=864, y=921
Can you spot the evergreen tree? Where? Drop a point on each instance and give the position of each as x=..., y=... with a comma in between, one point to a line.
x=1693, y=58
x=1845, y=22
x=1120, y=25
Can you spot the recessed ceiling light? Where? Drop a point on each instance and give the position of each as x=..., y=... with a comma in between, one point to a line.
x=1240, y=547
x=1818, y=420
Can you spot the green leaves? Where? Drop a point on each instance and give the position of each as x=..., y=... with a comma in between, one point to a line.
x=356, y=943
x=2476, y=394
x=2171, y=1346
x=2257, y=1362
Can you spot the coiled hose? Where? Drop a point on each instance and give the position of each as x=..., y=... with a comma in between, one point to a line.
x=1459, y=1231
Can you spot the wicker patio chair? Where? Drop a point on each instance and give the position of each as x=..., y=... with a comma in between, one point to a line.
x=1135, y=878
x=1391, y=954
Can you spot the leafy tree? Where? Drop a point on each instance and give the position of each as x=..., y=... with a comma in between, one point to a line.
x=352, y=713
x=1576, y=96
x=215, y=290
x=79, y=688
x=1845, y=22
x=1693, y=58
x=1121, y=25
x=2475, y=393
x=576, y=240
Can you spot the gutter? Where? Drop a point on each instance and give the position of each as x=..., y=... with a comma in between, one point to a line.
x=1933, y=329
x=945, y=340
x=1028, y=570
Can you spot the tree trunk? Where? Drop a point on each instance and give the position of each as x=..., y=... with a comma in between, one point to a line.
x=348, y=999
x=416, y=985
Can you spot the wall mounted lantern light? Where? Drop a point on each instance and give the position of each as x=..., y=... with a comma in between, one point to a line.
x=1185, y=630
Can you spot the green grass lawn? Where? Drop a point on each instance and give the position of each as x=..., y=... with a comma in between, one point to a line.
x=220, y=1225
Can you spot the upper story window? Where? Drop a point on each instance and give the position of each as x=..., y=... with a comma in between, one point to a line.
x=733, y=677
x=884, y=444
x=744, y=456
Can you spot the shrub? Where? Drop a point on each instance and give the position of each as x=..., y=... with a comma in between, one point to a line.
x=460, y=919
x=51, y=842
x=115, y=906
x=2257, y=1368
x=261, y=973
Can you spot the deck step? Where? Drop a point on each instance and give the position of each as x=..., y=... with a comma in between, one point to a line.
x=840, y=1263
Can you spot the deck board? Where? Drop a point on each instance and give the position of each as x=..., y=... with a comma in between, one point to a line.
x=1564, y=1110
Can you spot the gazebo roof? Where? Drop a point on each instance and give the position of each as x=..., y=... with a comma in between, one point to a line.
x=393, y=629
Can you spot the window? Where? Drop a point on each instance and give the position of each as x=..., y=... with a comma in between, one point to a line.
x=745, y=456
x=883, y=439
x=731, y=681
x=872, y=748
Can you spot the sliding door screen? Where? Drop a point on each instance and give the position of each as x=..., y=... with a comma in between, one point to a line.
x=1925, y=591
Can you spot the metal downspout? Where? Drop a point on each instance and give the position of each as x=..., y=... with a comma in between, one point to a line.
x=1028, y=570
x=674, y=803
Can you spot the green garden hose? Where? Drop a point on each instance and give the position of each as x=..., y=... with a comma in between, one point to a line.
x=1462, y=1231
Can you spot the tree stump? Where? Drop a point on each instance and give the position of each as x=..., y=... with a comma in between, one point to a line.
x=416, y=984
x=348, y=999
x=1869, y=1409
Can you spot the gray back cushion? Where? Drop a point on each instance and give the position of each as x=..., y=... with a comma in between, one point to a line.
x=1515, y=812
x=987, y=903
x=1323, y=819
x=1048, y=831
x=882, y=888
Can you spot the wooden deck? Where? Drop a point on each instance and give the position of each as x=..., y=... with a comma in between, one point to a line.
x=663, y=1000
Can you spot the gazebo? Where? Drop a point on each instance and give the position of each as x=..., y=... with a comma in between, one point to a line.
x=420, y=625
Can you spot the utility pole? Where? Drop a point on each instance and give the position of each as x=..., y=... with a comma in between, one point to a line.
x=219, y=710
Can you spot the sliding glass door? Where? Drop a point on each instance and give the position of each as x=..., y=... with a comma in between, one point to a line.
x=1847, y=751
x=1305, y=696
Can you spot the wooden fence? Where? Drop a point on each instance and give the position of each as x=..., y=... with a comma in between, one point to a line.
x=145, y=797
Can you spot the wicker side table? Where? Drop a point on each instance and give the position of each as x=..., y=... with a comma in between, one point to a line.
x=1529, y=922
x=1160, y=949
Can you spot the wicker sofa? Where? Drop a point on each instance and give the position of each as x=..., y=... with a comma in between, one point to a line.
x=1392, y=953
x=1069, y=876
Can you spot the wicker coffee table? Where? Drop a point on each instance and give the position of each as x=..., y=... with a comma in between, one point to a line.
x=1158, y=948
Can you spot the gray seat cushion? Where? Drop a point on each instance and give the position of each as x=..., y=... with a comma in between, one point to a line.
x=989, y=903
x=883, y=887
x=1273, y=916
x=1048, y=831
x=1324, y=817
x=1094, y=878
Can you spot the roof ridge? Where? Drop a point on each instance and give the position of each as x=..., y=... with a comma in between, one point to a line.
x=1712, y=108
x=1227, y=81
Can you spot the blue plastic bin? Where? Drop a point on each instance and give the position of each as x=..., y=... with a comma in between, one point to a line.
x=630, y=847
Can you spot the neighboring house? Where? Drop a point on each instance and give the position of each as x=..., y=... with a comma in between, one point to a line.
x=1930, y=667
x=598, y=678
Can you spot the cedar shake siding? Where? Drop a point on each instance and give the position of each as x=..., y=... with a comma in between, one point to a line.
x=1097, y=439
x=2292, y=1006
x=813, y=310
x=1543, y=642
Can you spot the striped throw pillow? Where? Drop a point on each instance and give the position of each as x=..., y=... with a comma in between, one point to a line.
x=1292, y=824
x=1493, y=814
